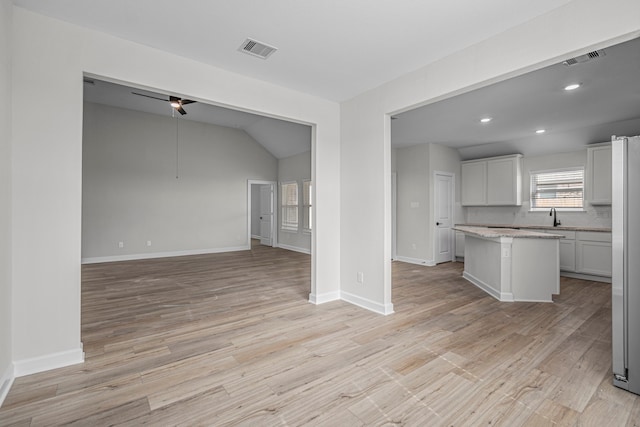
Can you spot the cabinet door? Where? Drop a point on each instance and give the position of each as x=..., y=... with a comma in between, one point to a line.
x=599, y=175
x=593, y=257
x=474, y=184
x=567, y=255
x=502, y=182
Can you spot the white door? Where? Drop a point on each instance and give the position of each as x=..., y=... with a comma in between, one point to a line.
x=266, y=214
x=443, y=200
x=394, y=213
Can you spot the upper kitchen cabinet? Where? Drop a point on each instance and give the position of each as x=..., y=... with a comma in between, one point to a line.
x=494, y=181
x=599, y=174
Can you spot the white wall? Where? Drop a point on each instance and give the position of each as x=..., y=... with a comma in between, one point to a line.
x=49, y=60
x=294, y=168
x=593, y=216
x=137, y=188
x=365, y=123
x=415, y=167
x=6, y=341
x=413, y=204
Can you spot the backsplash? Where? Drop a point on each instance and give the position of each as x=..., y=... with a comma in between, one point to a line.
x=593, y=216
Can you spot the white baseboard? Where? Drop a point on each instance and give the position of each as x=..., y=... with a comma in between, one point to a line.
x=294, y=248
x=586, y=277
x=415, y=261
x=500, y=296
x=6, y=381
x=131, y=257
x=255, y=236
x=384, y=309
x=48, y=362
x=322, y=298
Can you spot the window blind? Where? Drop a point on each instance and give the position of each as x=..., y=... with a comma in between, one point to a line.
x=557, y=189
x=289, y=197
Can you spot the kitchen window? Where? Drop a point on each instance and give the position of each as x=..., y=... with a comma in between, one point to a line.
x=289, y=206
x=560, y=189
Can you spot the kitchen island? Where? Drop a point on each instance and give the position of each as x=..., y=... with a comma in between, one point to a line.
x=512, y=264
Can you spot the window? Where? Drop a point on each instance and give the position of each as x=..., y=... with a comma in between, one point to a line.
x=307, y=203
x=560, y=189
x=289, y=204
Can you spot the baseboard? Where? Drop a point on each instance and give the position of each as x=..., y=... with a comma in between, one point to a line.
x=322, y=298
x=586, y=277
x=48, y=362
x=500, y=296
x=384, y=309
x=131, y=257
x=255, y=236
x=294, y=248
x=415, y=261
x=6, y=381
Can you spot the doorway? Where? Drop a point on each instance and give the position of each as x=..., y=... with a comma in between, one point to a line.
x=262, y=213
x=443, y=201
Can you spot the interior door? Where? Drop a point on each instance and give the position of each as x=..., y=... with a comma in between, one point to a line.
x=266, y=214
x=443, y=200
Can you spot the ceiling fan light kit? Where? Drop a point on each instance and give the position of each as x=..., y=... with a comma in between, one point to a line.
x=175, y=102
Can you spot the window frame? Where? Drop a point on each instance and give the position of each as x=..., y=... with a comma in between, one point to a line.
x=286, y=206
x=307, y=206
x=533, y=190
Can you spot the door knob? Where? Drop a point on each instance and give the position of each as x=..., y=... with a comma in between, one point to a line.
x=437, y=223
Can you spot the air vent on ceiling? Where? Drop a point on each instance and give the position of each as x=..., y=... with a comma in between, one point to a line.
x=585, y=58
x=257, y=49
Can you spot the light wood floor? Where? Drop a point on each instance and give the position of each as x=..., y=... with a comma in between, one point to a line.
x=229, y=339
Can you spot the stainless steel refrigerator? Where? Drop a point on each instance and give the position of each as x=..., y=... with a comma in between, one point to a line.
x=625, y=210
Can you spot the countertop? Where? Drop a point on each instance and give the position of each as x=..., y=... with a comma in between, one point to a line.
x=540, y=227
x=504, y=232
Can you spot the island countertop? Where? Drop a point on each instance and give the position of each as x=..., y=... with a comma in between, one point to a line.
x=542, y=227
x=504, y=232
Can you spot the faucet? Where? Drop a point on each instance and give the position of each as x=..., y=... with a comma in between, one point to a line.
x=555, y=220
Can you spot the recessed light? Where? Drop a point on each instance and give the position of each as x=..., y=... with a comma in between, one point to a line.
x=485, y=119
x=539, y=131
x=572, y=86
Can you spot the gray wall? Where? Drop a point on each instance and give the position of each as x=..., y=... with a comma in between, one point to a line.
x=295, y=168
x=5, y=195
x=255, y=210
x=131, y=194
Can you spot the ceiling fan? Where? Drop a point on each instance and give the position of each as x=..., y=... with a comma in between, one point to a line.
x=174, y=101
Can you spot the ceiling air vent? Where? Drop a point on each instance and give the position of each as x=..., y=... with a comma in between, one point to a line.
x=585, y=58
x=257, y=49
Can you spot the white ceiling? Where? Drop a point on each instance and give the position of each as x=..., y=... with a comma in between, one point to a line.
x=607, y=103
x=338, y=49
x=334, y=49
x=281, y=138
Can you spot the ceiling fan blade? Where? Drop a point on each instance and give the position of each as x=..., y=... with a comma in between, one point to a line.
x=174, y=99
x=181, y=110
x=149, y=96
x=187, y=101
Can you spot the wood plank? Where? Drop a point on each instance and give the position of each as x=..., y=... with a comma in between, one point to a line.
x=230, y=339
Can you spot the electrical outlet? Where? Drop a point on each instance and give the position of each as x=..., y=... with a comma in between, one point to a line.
x=360, y=277
x=121, y=245
x=148, y=242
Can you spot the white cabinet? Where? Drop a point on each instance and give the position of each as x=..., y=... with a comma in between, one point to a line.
x=495, y=181
x=474, y=183
x=593, y=253
x=598, y=179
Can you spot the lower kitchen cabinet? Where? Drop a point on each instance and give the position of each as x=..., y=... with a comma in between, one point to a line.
x=567, y=255
x=593, y=253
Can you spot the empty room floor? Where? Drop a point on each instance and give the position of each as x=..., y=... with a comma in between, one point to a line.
x=230, y=339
